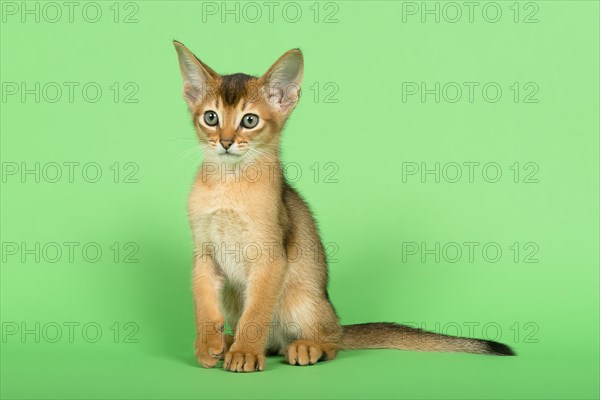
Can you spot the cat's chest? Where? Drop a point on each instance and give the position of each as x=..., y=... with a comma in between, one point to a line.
x=221, y=227
x=218, y=226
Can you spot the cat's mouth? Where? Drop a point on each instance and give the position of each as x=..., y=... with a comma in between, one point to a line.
x=230, y=156
x=227, y=152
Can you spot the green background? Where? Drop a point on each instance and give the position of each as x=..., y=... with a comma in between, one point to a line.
x=547, y=310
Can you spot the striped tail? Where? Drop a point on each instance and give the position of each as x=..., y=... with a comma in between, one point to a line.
x=387, y=335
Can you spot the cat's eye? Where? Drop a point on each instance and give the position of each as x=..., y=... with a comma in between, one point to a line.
x=250, y=121
x=211, y=118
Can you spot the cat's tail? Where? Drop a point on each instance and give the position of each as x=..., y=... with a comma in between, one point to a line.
x=387, y=335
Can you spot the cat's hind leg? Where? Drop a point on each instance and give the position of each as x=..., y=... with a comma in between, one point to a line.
x=311, y=328
x=309, y=352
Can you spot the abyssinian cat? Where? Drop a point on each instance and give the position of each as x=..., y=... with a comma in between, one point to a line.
x=259, y=264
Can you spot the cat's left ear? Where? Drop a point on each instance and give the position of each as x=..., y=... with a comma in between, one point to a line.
x=282, y=82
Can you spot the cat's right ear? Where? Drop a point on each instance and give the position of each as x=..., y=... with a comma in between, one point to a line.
x=198, y=78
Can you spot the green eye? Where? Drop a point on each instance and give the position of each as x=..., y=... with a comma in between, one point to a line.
x=249, y=121
x=211, y=118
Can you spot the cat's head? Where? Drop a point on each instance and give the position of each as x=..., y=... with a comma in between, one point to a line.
x=240, y=116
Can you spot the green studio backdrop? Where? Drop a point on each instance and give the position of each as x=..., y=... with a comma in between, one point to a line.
x=449, y=152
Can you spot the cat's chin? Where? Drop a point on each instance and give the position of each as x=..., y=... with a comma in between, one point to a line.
x=230, y=158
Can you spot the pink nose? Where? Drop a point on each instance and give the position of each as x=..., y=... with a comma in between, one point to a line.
x=226, y=143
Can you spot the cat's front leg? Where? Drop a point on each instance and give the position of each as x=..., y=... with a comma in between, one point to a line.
x=206, y=284
x=247, y=353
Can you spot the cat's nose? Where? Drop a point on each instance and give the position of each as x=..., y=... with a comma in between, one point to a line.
x=226, y=143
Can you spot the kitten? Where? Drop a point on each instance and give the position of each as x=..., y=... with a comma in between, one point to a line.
x=259, y=264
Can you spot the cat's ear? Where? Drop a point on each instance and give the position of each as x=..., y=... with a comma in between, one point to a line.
x=198, y=78
x=282, y=82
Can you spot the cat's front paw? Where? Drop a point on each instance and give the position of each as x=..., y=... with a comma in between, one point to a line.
x=238, y=359
x=209, y=351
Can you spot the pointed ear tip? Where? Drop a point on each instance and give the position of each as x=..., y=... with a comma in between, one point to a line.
x=295, y=53
x=178, y=45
